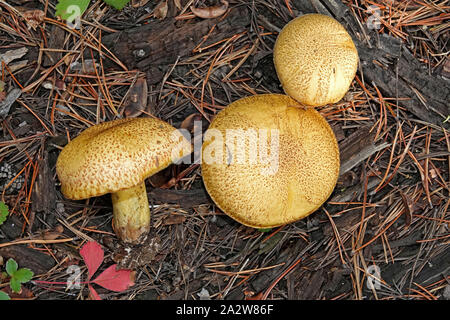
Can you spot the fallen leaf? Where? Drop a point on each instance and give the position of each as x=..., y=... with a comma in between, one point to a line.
x=34, y=18
x=210, y=12
x=188, y=122
x=136, y=101
x=92, y=254
x=160, y=11
x=115, y=280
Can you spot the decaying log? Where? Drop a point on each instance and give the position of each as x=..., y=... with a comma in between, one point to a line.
x=39, y=262
x=160, y=42
x=36, y=261
x=185, y=198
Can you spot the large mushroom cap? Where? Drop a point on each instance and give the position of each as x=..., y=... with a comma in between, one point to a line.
x=298, y=174
x=117, y=155
x=315, y=59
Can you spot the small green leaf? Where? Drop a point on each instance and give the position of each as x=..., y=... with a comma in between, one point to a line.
x=11, y=266
x=4, y=296
x=4, y=212
x=15, y=285
x=71, y=9
x=23, y=275
x=265, y=229
x=118, y=4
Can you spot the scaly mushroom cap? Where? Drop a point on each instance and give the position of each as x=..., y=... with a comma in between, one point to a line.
x=295, y=177
x=315, y=59
x=117, y=155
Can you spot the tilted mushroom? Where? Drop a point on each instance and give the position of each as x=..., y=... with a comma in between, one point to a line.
x=116, y=157
x=266, y=187
x=315, y=59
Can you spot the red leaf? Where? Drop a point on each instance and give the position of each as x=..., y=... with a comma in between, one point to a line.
x=92, y=254
x=115, y=280
x=94, y=293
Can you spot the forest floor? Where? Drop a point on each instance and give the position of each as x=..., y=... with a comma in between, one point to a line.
x=386, y=224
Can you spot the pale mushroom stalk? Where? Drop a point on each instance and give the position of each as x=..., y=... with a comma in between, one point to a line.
x=131, y=212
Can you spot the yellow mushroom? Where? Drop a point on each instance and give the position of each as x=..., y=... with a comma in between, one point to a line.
x=267, y=162
x=116, y=157
x=315, y=59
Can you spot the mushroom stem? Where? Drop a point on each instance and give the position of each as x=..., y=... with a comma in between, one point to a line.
x=131, y=213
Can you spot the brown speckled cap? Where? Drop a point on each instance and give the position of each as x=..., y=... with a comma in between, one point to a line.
x=117, y=155
x=315, y=59
x=306, y=169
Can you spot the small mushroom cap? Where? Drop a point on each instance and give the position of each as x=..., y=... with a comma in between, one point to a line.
x=117, y=155
x=295, y=179
x=315, y=59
